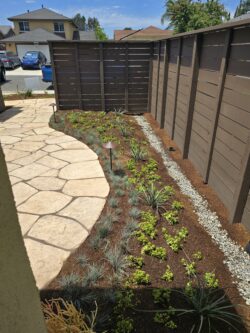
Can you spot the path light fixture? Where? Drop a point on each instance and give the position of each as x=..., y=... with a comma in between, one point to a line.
x=109, y=145
x=54, y=110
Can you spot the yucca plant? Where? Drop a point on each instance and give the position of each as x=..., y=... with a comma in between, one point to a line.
x=207, y=308
x=155, y=198
x=138, y=153
x=117, y=260
x=62, y=316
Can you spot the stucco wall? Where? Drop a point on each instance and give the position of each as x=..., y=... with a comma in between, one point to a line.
x=11, y=47
x=20, y=310
x=49, y=26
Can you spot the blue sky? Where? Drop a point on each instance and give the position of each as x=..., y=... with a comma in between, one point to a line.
x=112, y=14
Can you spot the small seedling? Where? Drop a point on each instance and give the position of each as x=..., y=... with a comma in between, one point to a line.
x=198, y=255
x=161, y=296
x=177, y=205
x=164, y=318
x=168, y=276
x=190, y=267
x=210, y=280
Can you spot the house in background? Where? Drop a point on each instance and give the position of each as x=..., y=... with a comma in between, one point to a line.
x=5, y=31
x=34, y=28
x=149, y=33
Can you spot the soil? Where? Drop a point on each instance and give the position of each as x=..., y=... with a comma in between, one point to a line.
x=197, y=240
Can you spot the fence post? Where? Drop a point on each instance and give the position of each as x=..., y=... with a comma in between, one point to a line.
x=102, y=77
x=158, y=73
x=242, y=189
x=178, y=62
x=78, y=74
x=192, y=93
x=2, y=104
x=150, y=77
x=215, y=116
x=55, y=84
x=126, y=77
x=165, y=84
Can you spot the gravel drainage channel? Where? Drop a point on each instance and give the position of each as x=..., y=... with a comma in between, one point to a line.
x=236, y=259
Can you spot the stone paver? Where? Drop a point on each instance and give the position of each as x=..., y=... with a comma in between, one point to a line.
x=58, y=184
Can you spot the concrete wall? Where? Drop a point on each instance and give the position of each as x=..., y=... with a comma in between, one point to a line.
x=69, y=28
x=20, y=309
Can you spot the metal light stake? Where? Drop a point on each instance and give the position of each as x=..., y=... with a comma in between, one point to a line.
x=54, y=111
x=109, y=145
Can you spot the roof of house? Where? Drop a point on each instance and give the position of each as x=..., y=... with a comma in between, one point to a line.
x=4, y=29
x=241, y=17
x=148, y=33
x=37, y=35
x=87, y=35
x=40, y=14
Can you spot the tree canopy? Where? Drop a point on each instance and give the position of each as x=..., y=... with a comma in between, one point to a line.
x=242, y=8
x=187, y=15
x=90, y=24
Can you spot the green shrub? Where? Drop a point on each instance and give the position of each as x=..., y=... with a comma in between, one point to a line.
x=164, y=318
x=154, y=251
x=113, y=202
x=190, y=267
x=69, y=280
x=175, y=242
x=161, y=296
x=140, y=277
x=117, y=260
x=155, y=198
x=137, y=152
x=137, y=262
x=134, y=212
x=124, y=325
x=148, y=223
x=177, y=205
x=171, y=217
x=198, y=255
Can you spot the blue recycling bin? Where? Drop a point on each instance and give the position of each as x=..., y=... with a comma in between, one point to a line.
x=47, y=73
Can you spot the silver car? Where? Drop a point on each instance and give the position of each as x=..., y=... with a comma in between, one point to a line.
x=9, y=59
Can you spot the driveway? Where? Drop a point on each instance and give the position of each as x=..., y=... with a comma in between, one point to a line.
x=19, y=80
x=58, y=184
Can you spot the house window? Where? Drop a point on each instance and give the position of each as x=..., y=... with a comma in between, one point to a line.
x=24, y=26
x=58, y=27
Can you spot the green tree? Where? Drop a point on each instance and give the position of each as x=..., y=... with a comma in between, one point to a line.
x=127, y=28
x=187, y=15
x=80, y=21
x=242, y=8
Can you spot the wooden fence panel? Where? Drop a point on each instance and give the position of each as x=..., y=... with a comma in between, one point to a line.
x=102, y=76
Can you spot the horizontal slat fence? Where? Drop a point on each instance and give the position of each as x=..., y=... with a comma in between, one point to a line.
x=102, y=76
x=196, y=85
x=201, y=97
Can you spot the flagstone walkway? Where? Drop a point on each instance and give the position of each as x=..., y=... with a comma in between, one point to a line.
x=58, y=184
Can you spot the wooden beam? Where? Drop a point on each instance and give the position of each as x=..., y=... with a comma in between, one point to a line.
x=242, y=189
x=126, y=77
x=102, y=77
x=78, y=75
x=54, y=75
x=178, y=63
x=165, y=84
x=150, y=81
x=191, y=94
x=158, y=72
x=215, y=116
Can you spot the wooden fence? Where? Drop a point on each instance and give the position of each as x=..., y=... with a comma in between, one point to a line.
x=196, y=85
x=201, y=97
x=102, y=76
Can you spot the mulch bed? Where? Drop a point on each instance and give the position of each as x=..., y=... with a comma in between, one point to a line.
x=197, y=240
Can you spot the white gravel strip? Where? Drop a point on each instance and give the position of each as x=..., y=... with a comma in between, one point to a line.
x=236, y=259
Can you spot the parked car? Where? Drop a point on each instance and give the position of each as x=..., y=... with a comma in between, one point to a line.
x=33, y=59
x=9, y=59
x=2, y=72
x=47, y=73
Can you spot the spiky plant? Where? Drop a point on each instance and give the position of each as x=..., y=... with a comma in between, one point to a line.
x=155, y=198
x=70, y=280
x=82, y=260
x=94, y=273
x=117, y=260
x=113, y=202
x=134, y=212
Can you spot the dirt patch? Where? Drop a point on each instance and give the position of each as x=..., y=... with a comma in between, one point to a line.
x=21, y=96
